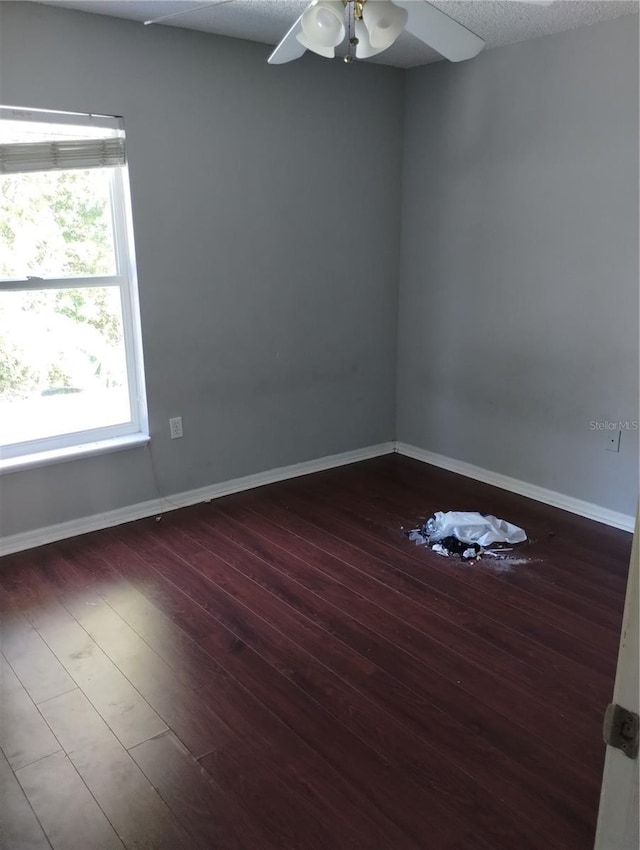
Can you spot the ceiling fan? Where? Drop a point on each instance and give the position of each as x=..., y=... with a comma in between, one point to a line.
x=369, y=27
x=372, y=26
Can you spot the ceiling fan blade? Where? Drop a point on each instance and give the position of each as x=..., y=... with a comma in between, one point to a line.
x=208, y=5
x=439, y=31
x=289, y=48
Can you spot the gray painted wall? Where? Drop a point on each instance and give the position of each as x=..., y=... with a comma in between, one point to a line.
x=265, y=323
x=269, y=328
x=518, y=321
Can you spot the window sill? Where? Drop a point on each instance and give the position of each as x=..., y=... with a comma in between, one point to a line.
x=114, y=444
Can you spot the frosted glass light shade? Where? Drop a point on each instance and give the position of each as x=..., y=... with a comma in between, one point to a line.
x=323, y=26
x=327, y=52
x=384, y=22
x=363, y=48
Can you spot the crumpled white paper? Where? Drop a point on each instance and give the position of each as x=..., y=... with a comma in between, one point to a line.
x=473, y=527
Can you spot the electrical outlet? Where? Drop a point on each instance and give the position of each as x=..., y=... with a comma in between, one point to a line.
x=175, y=427
x=613, y=440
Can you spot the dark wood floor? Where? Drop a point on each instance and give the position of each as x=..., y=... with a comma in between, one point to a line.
x=283, y=669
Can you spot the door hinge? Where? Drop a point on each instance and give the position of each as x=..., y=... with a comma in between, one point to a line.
x=620, y=729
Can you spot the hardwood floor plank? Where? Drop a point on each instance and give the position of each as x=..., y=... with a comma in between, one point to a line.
x=178, y=706
x=273, y=687
x=19, y=827
x=37, y=668
x=134, y=809
x=280, y=815
x=211, y=815
x=387, y=789
x=70, y=816
x=137, y=583
x=23, y=580
x=277, y=747
x=75, y=721
x=232, y=757
x=125, y=711
x=24, y=735
x=302, y=718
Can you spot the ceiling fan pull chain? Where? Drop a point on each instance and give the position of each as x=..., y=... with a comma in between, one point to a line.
x=352, y=40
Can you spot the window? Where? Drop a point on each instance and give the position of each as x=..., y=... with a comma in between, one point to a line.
x=71, y=376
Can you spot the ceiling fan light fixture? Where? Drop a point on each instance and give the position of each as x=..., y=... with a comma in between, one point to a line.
x=323, y=26
x=364, y=50
x=384, y=22
x=327, y=52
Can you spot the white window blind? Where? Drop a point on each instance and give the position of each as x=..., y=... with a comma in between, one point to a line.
x=35, y=140
x=61, y=154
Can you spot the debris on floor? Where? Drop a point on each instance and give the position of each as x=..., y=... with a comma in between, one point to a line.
x=467, y=534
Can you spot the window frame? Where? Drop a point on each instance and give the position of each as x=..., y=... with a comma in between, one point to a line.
x=107, y=437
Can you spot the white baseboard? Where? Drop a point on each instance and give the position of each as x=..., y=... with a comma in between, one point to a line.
x=95, y=522
x=513, y=485
x=108, y=519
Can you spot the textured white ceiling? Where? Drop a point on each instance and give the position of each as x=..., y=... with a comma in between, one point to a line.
x=498, y=22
